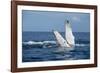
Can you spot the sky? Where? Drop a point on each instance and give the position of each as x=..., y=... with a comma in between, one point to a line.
x=46, y=21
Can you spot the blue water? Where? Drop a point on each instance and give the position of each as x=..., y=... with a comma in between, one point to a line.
x=42, y=46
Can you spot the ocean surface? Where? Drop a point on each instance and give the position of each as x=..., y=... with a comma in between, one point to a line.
x=42, y=46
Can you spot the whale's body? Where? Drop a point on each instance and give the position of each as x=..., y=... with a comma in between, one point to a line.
x=69, y=37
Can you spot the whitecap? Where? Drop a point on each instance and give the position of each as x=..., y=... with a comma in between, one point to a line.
x=51, y=42
x=81, y=44
x=32, y=43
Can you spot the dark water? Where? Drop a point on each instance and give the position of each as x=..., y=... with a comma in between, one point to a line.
x=42, y=46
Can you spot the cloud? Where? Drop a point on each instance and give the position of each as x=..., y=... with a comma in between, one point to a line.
x=75, y=18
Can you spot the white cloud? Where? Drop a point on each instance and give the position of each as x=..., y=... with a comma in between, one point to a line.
x=75, y=18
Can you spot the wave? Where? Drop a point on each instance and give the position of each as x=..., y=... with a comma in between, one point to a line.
x=81, y=44
x=39, y=42
x=47, y=44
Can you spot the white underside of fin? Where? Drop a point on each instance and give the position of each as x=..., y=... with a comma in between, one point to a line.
x=69, y=35
x=60, y=40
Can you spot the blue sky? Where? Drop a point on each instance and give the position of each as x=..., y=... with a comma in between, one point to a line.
x=50, y=20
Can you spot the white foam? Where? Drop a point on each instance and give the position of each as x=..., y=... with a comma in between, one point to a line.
x=81, y=44
x=39, y=42
x=32, y=42
x=47, y=42
x=53, y=42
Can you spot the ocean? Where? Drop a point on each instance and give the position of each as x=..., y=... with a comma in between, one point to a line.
x=42, y=46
